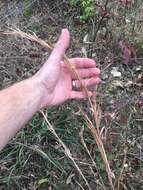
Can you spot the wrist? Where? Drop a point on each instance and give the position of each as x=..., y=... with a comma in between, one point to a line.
x=36, y=90
x=44, y=94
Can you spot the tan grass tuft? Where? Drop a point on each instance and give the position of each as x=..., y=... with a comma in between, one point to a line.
x=95, y=109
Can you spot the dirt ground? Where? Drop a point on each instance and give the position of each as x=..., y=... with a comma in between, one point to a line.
x=120, y=99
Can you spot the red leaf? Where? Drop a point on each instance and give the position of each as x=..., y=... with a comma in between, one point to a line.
x=128, y=52
x=126, y=2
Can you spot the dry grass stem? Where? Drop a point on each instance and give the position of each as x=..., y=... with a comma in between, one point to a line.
x=88, y=152
x=100, y=145
x=95, y=109
x=96, y=114
x=79, y=185
x=119, y=180
x=66, y=149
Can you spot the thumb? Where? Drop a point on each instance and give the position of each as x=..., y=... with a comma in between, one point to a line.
x=60, y=47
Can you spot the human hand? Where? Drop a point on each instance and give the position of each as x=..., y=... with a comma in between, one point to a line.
x=56, y=78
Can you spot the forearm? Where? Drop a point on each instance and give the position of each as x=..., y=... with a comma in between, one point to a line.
x=17, y=105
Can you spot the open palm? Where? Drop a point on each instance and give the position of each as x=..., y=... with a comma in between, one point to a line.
x=56, y=77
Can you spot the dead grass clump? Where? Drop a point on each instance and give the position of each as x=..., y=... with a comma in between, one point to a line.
x=96, y=113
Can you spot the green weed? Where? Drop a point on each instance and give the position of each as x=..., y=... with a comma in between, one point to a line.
x=86, y=7
x=27, y=10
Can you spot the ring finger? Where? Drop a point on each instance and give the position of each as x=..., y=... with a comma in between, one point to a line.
x=87, y=82
x=86, y=73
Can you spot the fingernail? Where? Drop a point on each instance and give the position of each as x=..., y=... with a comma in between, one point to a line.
x=98, y=81
x=64, y=30
x=90, y=93
x=97, y=71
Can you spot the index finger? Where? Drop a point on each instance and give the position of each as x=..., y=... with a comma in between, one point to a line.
x=82, y=62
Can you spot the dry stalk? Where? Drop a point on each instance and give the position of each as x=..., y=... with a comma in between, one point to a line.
x=96, y=114
x=66, y=149
x=84, y=144
x=88, y=152
x=120, y=178
x=100, y=145
x=94, y=131
x=79, y=185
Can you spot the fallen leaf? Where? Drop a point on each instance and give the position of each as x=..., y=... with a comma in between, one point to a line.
x=139, y=68
x=118, y=83
x=128, y=3
x=129, y=83
x=115, y=72
x=128, y=52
